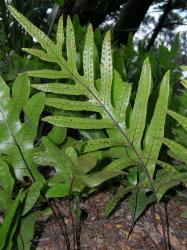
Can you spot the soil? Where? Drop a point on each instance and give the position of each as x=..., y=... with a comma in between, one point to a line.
x=99, y=233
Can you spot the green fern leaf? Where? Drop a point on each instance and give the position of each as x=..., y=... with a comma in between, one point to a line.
x=121, y=97
x=87, y=163
x=139, y=112
x=88, y=59
x=58, y=190
x=80, y=123
x=97, y=144
x=166, y=178
x=50, y=74
x=40, y=54
x=102, y=96
x=155, y=132
x=98, y=178
x=115, y=200
x=70, y=173
x=45, y=42
x=33, y=193
x=27, y=231
x=184, y=82
x=106, y=73
x=179, y=151
x=120, y=164
x=72, y=105
x=7, y=184
x=10, y=225
x=179, y=118
x=60, y=36
x=57, y=135
x=101, y=92
x=60, y=160
x=137, y=203
x=17, y=138
x=59, y=88
x=71, y=47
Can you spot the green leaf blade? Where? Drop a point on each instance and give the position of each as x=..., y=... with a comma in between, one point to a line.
x=179, y=151
x=98, y=178
x=97, y=144
x=140, y=107
x=45, y=42
x=155, y=133
x=106, y=71
x=50, y=74
x=60, y=88
x=71, y=46
x=78, y=123
x=60, y=35
x=72, y=105
x=179, y=118
x=40, y=54
x=88, y=58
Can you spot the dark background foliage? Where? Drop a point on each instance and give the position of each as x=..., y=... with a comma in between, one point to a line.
x=153, y=24
x=159, y=19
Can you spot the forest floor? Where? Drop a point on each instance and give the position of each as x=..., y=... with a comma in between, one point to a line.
x=99, y=233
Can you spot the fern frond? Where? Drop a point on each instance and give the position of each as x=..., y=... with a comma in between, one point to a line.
x=102, y=96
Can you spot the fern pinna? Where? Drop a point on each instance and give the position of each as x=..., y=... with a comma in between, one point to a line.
x=131, y=142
